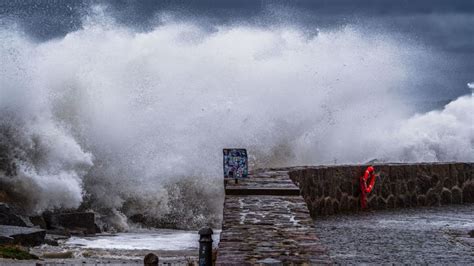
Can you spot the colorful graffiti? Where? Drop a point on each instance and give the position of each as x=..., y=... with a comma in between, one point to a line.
x=235, y=163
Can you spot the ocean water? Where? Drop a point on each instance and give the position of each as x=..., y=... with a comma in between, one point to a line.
x=163, y=240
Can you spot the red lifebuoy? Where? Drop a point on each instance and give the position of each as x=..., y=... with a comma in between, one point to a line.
x=364, y=188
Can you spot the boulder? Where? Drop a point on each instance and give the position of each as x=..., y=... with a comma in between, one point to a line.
x=6, y=240
x=8, y=216
x=38, y=221
x=22, y=235
x=80, y=223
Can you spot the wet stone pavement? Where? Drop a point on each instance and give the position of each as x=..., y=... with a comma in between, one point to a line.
x=268, y=229
x=436, y=235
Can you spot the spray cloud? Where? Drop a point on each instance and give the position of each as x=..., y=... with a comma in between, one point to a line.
x=134, y=122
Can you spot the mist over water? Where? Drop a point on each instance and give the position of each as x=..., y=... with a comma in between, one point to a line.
x=132, y=124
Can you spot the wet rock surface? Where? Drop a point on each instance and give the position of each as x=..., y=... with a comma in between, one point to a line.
x=9, y=216
x=22, y=235
x=75, y=223
x=415, y=236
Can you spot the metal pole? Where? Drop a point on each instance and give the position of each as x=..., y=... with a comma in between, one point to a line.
x=205, y=246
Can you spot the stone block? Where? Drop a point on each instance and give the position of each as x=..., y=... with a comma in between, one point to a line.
x=421, y=200
x=355, y=188
x=423, y=184
x=372, y=202
x=446, y=196
x=456, y=195
x=354, y=203
x=346, y=186
x=442, y=171
x=411, y=186
x=335, y=206
x=432, y=198
x=397, y=172
x=450, y=182
x=402, y=187
x=75, y=223
x=328, y=207
x=386, y=190
x=9, y=216
x=394, y=188
x=344, y=202
x=468, y=192
x=391, y=202
x=402, y=201
x=381, y=203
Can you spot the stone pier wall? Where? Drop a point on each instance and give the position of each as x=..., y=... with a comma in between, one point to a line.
x=333, y=189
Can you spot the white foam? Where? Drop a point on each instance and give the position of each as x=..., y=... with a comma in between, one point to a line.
x=119, y=116
x=150, y=240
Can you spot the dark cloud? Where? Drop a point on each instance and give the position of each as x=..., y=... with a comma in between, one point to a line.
x=446, y=26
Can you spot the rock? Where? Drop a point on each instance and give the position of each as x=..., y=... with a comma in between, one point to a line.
x=51, y=240
x=59, y=255
x=446, y=196
x=468, y=192
x=6, y=240
x=23, y=235
x=151, y=259
x=8, y=216
x=471, y=233
x=81, y=223
x=38, y=221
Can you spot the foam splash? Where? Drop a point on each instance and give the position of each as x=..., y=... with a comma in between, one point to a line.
x=133, y=124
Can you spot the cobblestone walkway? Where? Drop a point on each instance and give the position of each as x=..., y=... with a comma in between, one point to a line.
x=268, y=229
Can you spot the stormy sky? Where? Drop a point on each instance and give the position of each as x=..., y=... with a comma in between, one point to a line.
x=447, y=27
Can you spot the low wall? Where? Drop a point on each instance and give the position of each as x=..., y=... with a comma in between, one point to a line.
x=333, y=189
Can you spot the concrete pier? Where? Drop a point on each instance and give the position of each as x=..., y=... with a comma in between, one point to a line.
x=266, y=221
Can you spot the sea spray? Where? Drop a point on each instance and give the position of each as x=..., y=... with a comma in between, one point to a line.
x=132, y=124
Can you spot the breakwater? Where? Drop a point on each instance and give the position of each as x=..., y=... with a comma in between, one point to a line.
x=333, y=189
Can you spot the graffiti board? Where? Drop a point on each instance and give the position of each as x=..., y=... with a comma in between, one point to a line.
x=235, y=163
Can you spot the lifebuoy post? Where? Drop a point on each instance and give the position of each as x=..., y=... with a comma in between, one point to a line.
x=366, y=188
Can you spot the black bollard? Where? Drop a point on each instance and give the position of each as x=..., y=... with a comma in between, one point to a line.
x=205, y=246
x=151, y=260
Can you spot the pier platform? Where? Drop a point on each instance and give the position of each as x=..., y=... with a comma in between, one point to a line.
x=266, y=221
